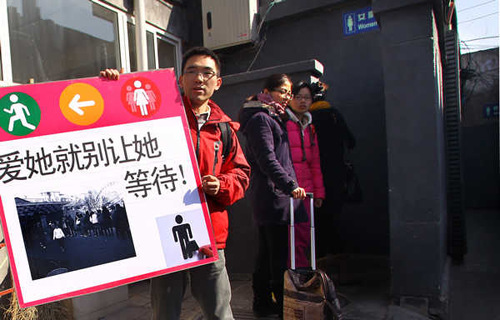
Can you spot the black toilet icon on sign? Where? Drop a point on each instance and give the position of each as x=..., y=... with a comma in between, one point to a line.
x=182, y=234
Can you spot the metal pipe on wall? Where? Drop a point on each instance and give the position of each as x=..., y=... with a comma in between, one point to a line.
x=140, y=35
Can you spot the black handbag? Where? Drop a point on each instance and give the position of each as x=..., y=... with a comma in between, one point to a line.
x=352, y=187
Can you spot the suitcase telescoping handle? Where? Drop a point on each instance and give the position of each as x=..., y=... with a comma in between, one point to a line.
x=292, y=232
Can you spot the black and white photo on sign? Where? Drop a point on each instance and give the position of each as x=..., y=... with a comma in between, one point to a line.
x=64, y=231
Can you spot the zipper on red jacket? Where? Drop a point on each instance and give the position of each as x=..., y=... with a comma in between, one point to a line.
x=198, y=143
x=216, y=153
x=197, y=149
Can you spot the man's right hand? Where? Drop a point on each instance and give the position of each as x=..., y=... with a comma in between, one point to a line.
x=111, y=74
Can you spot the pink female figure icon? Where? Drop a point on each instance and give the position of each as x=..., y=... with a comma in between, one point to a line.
x=130, y=99
x=151, y=96
x=141, y=98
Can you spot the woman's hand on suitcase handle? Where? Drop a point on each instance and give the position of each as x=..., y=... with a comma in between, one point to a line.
x=299, y=193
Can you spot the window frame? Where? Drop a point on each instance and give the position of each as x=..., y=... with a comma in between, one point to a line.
x=5, y=60
x=6, y=76
x=176, y=42
x=159, y=34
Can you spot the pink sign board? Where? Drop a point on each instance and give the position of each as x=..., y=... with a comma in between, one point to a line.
x=99, y=185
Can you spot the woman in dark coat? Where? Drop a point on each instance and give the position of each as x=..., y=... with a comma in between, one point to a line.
x=334, y=137
x=272, y=183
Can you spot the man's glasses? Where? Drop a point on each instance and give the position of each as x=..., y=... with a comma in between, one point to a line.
x=205, y=74
x=300, y=97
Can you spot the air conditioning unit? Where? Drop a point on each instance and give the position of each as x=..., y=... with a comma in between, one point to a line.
x=228, y=23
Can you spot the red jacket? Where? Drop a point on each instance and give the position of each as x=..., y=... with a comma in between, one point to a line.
x=233, y=173
x=305, y=154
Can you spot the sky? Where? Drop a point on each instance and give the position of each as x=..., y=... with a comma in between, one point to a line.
x=477, y=24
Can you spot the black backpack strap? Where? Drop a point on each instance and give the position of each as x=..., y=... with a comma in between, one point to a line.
x=227, y=142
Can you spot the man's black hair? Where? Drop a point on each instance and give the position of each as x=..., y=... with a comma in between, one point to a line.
x=200, y=51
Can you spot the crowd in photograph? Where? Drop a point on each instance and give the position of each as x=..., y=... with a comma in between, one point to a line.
x=106, y=221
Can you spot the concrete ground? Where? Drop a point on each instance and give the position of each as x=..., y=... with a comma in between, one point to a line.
x=364, y=283
x=475, y=284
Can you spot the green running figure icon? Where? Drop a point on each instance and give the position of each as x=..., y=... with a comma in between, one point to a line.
x=18, y=109
x=20, y=114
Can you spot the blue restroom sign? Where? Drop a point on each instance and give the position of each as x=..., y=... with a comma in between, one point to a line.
x=359, y=21
x=490, y=111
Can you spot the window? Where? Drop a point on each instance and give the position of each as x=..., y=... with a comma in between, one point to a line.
x=131, y=47
x=48, y=40
x=133, y=52
x=150, y=39
x=167, y=56
x=1, y=70
x=5, y=73
x=61, y=39
x=167, y=50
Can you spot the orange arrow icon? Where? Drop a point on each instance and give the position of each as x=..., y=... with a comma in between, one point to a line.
x=77, y=105
x=81, y=104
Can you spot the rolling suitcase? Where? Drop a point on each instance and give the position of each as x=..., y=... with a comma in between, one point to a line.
x=308, y=294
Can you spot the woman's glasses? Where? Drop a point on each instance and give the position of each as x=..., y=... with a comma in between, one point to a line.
x=300, y=97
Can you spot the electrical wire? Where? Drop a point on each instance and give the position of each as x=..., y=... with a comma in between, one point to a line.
x=486, y=15
x=474, y=48
x=473, y=78
x=259, y=28
x=269, y=7
x=477, y=5
x=482, y=38
x=261, y=44
x=467, y=47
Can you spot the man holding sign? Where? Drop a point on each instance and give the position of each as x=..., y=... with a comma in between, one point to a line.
x=225, y=178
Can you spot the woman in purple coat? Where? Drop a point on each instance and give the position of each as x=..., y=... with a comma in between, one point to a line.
x=272, y=183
